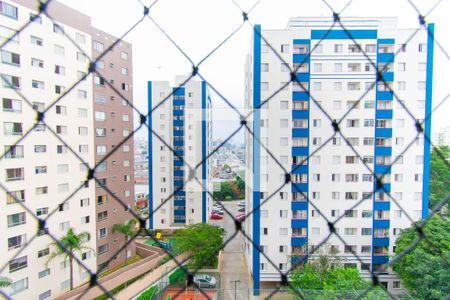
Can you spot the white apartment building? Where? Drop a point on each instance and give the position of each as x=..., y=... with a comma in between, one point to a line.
x=442, y=137
x=183, y=124
x=37, y=67
x=328, y=178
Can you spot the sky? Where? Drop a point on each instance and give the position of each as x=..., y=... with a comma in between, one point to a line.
x=198, y=26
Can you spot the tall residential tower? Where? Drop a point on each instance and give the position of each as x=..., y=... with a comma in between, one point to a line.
x=179, y=145
x=38, y=66
x=328, y=177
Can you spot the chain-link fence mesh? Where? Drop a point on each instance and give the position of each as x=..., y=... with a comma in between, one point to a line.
x=333, y=123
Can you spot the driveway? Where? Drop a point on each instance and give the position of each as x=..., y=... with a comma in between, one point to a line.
x=232, y=262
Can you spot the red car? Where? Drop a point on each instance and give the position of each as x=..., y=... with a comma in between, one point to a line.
x=240, y=217
x=216, y=217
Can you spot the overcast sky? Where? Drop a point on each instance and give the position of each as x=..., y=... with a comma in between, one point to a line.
x=198, y=26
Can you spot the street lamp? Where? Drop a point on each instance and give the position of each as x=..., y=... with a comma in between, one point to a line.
x=235, y=282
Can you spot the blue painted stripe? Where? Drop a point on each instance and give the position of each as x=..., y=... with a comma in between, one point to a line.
x=302, y=77
x=301, y=58
x=384, y=95
x=343, y=35
x=299, y=96
x=384, y=151
x=383, y=224
x=382, y=205
x=298, y=241
x=388, y=76
x=427, y=130
x=178, y=91
x=385, y=57
x=300, y=132
x=380, y=259
x=299, y=223
x=150, y=155
x=299, y=205
x=380, y=242
x=386, y=41
x=299, y=169
x=383, y=132
x=299, y=187
x=299, y=151
x=256, y=158
x=301, y=41
x=204, y=144
x=384, y=114
x=300, y=114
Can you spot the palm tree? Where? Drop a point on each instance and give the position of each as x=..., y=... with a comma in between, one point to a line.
x=5, y=281
x=68, y=246
x=128, y=230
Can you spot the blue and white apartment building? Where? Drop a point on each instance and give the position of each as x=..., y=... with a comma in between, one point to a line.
x=183, y=122
x=334, y=71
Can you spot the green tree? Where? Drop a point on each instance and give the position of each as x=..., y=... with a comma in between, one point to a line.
x=69, y=245
x=129, y=230
x=439, y=175
x=240, y=183
x=5, y=282
x=325, y=272
x=202, y=240
x=425, y=270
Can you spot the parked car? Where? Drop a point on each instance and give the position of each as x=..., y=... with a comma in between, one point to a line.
x=241, y=203
x=215, y=216
x=240, y=217
x=217, y=212
x=205, y=281
x=242, y=209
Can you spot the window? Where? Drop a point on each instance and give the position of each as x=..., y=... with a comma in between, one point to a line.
x=124, y=55
x=14, y=151
x=17, y=264
x=84, y=202
x=264, y=67
x=102, y=216
x=317, y=67
x=8, y=10
x=317, y=86
x=19, y=285
x=371, y=48
x=98, y=46
x=82, y=112
x=421, y=85
x=17, y=241
x=40, y=169
x=125, y=87
x=61, y=129
x=80, y=38
x=318, y=48
x=354, y=67
x=422, y=47
x=58, y=28
x=36, y=41
x=59, y=50
x=285, y=48
x=11, y=105
x=354, y=86
x=401, y=66
x=63, y=187
x=11, y=58
x=10, y=82
x=85, y=220
x=44, y=273
x=60, y=70
x=338, y=48
x=41, y=190
x=99, y=81
x=63, y=226
x=14, y=174
x=100, y=116
x=337, y=67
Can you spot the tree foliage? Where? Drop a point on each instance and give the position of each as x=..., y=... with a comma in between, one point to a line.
x=325, y=272
x=129, y=230
x=230, y=190
x=202, y=240
x=69, y=245
x=439, y=175
x=425, y=270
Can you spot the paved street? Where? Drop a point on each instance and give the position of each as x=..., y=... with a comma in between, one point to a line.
x=233, y=266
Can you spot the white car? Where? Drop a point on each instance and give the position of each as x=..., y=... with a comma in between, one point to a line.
x=205, y=281
x=241, y=203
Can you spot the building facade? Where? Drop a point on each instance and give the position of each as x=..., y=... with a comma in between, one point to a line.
x=43, y=165
x=442, y=137
x=327, y=177
x=113, y=122
x=179, y=145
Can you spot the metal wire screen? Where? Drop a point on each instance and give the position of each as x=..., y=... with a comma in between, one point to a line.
x=333, y=124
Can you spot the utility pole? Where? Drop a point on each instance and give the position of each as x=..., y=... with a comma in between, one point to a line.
x=235, y=282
